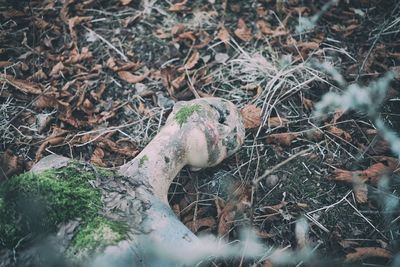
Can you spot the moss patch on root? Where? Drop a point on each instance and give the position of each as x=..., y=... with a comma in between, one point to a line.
x=185, y=112
x=32, y=204
x=97, y=232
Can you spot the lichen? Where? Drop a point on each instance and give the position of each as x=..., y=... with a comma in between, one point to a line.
x=185, y=112
x=32, y=204
x=142, y=160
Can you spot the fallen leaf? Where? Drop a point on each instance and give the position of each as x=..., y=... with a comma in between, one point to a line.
x=191, y=62
x=243, y=32
x=125, y=2
x=4, y=64
x=9, y=165
x=55, y=71
x=285, y=139
x=277, y=122
x=339, y=133
x=195, y=225
x=177, y=29
x=360, y=190
x=368, y=252
x=308, y=104
x=98, y=157
x=187, y=35
x=251, y=116
x=253, y=87
x=179, y=7
x=131, y=78
x=76, y=57
x=223, y=34
x=22, y=85
x=51, y=140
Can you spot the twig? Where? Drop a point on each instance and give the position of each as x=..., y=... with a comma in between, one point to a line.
x=279, y=165
x=108, y=43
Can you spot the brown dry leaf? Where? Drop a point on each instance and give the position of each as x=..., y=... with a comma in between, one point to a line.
x=339, y=133
x=4, y=64
x=308, y=45
x=372, y=174
x=76, y=57
x=191, y=62
x=187, y=36
x=243, y=32
x=236, y=205
x=111, y=64
x=277, y=122
x=9, y=165
x=99, y=92
x=368, y=252
x=55, y=71
x=223, y=34
x=267, y=263
x=177, y=29
x=195, y=225
x=22, y=85
x=308, y=104
x=51, y=140
x=125, y=2
x=131, y=78
x=253, y=87
x=179, y=82
x=98, y=157
x=12, y=13
x=264, y=27
x=72, y=22
x=179, y=7
x=263, y=234
x=285, y=139
x=360, y=190
x=251, y=116
x=45, y=101
x=38, y=76
x=337, y=115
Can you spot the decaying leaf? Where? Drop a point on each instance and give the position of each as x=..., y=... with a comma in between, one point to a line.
x=179, y=7
x=285, y=139
x=191, y=62
x=253, y=87
x=243, y=32
x=239, y=201
x=22, y=85
x=195, y=225
x=251, y=116
x=340, y=133
x=55, y=71
x=223, y=34
x=125, y=2
x=277, y=122
x=308, y=104
x=9, y=165
x=131, y=78
x=76, y=57
x=368, y=252
x=98, y=157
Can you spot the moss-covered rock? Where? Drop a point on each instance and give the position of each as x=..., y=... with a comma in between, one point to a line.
x=33, y=204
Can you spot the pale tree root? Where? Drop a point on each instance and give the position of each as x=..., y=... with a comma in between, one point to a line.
x=198, y=133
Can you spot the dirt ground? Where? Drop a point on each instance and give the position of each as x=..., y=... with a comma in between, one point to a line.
x=95, y=80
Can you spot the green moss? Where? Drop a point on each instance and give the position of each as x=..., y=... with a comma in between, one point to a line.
x=143, y=160
x=98, y=232
x=185, y=112
x=31, y=204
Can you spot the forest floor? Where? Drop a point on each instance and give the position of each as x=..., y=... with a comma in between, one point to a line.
x=95, y=80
